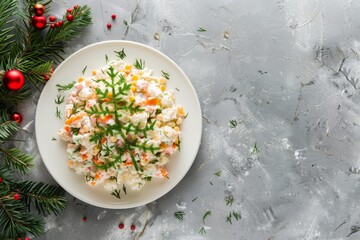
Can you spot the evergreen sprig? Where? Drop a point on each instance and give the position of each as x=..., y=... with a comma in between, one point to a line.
x=33, y=52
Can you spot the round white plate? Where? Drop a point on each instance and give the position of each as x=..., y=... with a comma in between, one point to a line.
x=54, y=152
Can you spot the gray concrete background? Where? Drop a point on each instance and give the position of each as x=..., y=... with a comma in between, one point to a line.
x=288, y=71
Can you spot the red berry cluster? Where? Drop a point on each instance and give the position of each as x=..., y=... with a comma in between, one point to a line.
x=69, y=17
x=23, y=238
x=113, y=17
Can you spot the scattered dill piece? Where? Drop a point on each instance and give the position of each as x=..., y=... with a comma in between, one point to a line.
x=120, y=54
x=116, y=193
x=208, y=213
x=165, y=75
x=78, y=149
x=179, y=215
x=124, y=188
x=218, y=173
x=84, y=70
x=228, y=218
x=53, y=139
x=65, y=87
x=229, y=200
x=58, y=113
x=255, y=150
x=200, y=29
x=106, y=58
x=75, y=130
x=148, y=178
x=236, y=216
x=59, y=99
x=211, y=183
x=125, y=22
x=233, y=123
x=177, y=89
x=202, y=231
x=194, y=199
x=186, y=115
x=139, y=64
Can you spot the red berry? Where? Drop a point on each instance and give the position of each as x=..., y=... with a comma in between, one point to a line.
x=132, y=227
x=52, y=18
x=57, y=24
x=26, y=238
x=61, y=23
x=108, y=25
x=70, y=17
x=46, y=77
x=16, y=196
x=52, y=25
x=69, y=10
x=16, y=117
x=1, y=180
x=84, y=219
x=113, y=16
x=76, y=6
x=121, y=226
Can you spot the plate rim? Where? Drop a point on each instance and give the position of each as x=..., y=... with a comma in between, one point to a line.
x=150, y=199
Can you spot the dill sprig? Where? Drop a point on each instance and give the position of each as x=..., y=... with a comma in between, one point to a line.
x=59, y=99
x=236, y=215
x=228, y=218
x=179, y=215
x=200, y=29
x=165, y=75
x=121, y=54
x=194, y=199
x=84, y=70
x=139, y=64
x=233, y=123
x=124, y=188
x=202, y=231
x=53, y=139
x=218, y=173
x=65, y=87
x=116, y=193
x=58, y=113
x=255, y=150
x=106, y=58
x=125, y=22
x=208, y=213
x=229, y=200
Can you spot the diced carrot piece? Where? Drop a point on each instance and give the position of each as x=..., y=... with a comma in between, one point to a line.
x=163, y=145
x=103, y=140
x=164, y=172
x=107, y=118
x=93, y=183
x=83, y=157
x=67, y=128
x=151, y=101
x=128, y=163
x=97, y=176
x=80, y=79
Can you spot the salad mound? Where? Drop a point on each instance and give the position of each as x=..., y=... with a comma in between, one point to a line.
x=121, y=126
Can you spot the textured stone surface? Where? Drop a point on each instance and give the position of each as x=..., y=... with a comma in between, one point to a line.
x=288, y=72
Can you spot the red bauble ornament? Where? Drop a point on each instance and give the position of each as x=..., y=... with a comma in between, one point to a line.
x=16, y=117
x=13, y=80
x=121, y=226
x=1, y=180
x=108, y=25
x=113, y=16
x=26, y=238
x=39, y=22
x=52, y=18
x=132, y=227
x=16, y=196
x=39, y=9
x=70, y=17
x=46, y=77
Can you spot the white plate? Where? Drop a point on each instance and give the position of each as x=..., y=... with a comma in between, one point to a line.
x=54, y=152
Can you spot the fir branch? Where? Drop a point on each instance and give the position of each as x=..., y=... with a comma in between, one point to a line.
x=7, y=127
x=9, y=99
x=7, y=37
x=47, y=199
x=17, y=160
x=16, y=221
